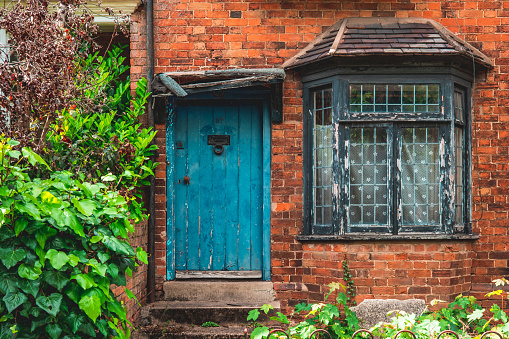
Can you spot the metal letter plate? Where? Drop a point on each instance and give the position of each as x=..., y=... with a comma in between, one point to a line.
x=218, y=139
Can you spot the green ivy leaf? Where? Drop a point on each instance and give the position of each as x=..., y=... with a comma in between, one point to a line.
x=56, y=279
x=66, y=218
x=87, y=206
x=49, y=198
x=50, y=304
x=73, y=260
x=117, y=308
x=84, y=280
x=29, y=209
x=54, y=331
x=13, y=300
x=10, y=258
x=98, y=267
x=57, y=258
x=43, y=234
x=74, y=321
x=73, y=291
x=30, y=286
x=142, y=255
x=20, y=225
x=30, y=272
x=91, y=305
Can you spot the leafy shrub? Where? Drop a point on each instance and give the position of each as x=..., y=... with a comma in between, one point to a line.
x=336, y=318
x=464, y=316
x=63, y=241
x=108, y=141
x=65, y=221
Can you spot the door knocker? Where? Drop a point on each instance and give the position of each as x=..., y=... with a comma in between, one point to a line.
x=218, y=142
x=218, y=149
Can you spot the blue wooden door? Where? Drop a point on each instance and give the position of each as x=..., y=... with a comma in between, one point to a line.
x=218, y=187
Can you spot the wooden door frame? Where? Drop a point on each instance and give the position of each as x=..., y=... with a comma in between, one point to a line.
x=263, y=98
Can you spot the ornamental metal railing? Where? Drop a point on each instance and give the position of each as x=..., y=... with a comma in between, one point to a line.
x=323, y=334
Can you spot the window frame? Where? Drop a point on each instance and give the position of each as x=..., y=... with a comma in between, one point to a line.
x=449, y=81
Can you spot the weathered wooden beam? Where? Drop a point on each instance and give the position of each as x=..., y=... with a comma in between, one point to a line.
x=278, y=73
x=172, y=85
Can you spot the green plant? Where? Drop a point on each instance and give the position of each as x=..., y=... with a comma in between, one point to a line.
x=350, y=287
x=464, y=316
x=63, y=242
x=110, y=140
x=336, y=318
x=209, y=324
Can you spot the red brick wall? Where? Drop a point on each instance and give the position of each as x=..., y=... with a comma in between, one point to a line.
x=138, y=283
x=207, y=34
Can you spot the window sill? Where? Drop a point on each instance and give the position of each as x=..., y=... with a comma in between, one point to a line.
x=387, y=237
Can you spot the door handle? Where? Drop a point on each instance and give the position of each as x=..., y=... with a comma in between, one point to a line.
x=186, y=180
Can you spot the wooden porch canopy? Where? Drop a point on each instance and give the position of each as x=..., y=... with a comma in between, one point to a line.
x=181, y=84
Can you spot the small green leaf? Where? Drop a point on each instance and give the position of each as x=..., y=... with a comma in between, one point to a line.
x=84, y=281
x=13, y=300
x=91, y=305
x=30, y=286
x=142, y=255
x=56, y=279
x=95, y=239
x=260, y=332
x=33, y=157
x=29, y=272
x=266, y=308
x=87, y=206
x=29, y=209
x=116, y=307
x=73, y=260
x=49, y=198
x=57, y=259
x=10, y=258
x=477, y=314
x=43, y=234
x=253, y=315
x=75, y=321
x=50, y=304
x=54, y=331
x=20, y=225
x=108, y=177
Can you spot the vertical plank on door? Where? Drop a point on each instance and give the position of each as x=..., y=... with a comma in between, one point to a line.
x=205, y=179
x=193, y=190
x=232, y=189
x=244, y=187
x=256, y=188
x=180, y=189
x=218, y=189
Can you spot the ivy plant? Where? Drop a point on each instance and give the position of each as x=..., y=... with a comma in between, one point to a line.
x=63, y=242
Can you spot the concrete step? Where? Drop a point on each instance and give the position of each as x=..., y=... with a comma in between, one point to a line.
x=196, y=332
x=197, y=313
x=190, y=303
x=225, y=291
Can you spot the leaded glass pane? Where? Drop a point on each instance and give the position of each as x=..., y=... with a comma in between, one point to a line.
x=420, y=175
x=368, y=154
x=322, y=157
x=458, y=106
x=394, y=98
x=458, y=144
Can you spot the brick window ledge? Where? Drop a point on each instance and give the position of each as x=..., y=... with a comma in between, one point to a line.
x=386, y=237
